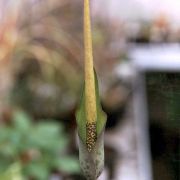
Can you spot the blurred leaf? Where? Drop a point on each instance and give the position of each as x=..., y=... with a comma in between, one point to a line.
x=67, y=164
x=46, y=136
x=21, y=120
x=48, y=129
x=37, y=146
x=37, y=170
x=4, y=133
x=12, y=173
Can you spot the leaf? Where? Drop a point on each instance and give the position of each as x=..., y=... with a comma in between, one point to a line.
x=67, y=164
x=81, y=114
x=21, y=120
x=37, y=170
x=48, y=136
x=48, y=129
x=12, y=173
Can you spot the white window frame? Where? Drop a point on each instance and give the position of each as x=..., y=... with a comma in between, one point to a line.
x=148, y=58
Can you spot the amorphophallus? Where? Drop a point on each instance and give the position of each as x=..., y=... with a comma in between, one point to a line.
x=90, y=118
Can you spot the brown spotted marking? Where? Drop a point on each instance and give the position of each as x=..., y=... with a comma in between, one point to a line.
x=91, y=135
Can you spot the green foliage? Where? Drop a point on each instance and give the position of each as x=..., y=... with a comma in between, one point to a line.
x=81, y=115
x=38, y=148
x=12, y=173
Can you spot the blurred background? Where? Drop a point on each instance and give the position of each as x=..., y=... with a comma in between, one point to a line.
x=41, y=75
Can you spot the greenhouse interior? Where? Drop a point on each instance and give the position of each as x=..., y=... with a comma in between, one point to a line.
x=46, y=50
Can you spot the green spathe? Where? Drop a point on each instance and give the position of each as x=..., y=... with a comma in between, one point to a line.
x=81, y=114
x=92, y=163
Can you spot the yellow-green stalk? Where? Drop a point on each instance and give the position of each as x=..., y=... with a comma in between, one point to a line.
x=90, y=95
x=90, y=117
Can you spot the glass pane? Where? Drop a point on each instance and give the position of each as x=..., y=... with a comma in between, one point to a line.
x=163, y=96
